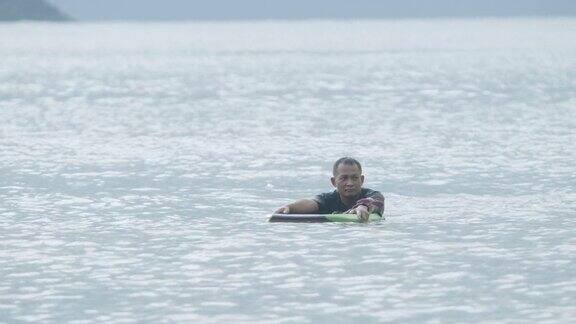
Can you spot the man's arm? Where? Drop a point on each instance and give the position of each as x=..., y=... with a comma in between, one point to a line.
x=373, y=203
x=302, y=206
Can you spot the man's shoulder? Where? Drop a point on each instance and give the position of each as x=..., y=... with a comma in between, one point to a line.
x=367, y=192
x=328, y=195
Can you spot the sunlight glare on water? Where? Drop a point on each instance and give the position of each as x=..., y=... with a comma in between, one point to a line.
x=139, y=163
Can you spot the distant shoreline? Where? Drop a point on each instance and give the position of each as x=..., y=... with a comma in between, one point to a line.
x=135, y=21
x=255, y=10
x=328, y=18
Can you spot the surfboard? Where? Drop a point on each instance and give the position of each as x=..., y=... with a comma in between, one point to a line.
x=320, y=218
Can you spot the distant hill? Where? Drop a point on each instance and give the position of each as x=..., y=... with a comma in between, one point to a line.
x=154, y=10
x=14, y=10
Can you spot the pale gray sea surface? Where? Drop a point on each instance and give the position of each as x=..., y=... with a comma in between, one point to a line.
x=139, y=163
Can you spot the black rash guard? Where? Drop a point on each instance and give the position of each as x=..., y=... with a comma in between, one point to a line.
x=330, y=202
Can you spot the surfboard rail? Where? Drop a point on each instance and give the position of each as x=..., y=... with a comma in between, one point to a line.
x=320, y=218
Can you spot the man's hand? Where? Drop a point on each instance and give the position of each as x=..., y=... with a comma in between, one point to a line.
x=362, y=212
x=283, y=210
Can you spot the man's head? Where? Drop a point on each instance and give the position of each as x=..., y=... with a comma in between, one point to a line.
x=347, y=177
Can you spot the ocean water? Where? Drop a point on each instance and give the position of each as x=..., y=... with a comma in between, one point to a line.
x=139, y=163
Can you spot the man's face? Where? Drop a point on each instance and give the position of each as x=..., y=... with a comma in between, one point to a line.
x=348, y=180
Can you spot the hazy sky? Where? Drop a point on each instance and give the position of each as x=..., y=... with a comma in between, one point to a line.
x=271, y=9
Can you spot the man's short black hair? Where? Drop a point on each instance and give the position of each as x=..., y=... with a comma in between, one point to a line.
x=346, y=160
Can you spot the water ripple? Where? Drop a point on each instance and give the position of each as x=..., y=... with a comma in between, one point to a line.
x=136, y=176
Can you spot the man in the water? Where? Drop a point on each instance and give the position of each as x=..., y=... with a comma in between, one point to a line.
x=349, y=196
